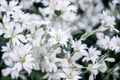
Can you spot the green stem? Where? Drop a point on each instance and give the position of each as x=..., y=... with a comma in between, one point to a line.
x=87, y=34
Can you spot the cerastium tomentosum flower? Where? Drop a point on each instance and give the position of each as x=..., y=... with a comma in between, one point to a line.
x=63, y=39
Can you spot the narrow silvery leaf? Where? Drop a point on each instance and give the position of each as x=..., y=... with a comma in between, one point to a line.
x=110, y=59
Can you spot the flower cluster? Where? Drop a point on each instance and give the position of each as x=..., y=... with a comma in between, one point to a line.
x=53, y=38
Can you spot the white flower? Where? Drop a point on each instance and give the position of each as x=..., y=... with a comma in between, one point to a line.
x=93, y=68
x=22, y=18
x=92, y=55
x=59, y=36
x=9, y=8
x=7, y=59
x=78, y=46
x=108, y=22
x=107, y=43
x=49, y=63
x=5, y=25
x=70, y=13
x=6, y=48
x=102, y=65
x=9, y=63
x=51, y=76
x=14, y=74
x=79, y=49
x=24, y=60
x=68, y=74
x=69, y=62
x=35, y=37
x=104, y=42
x=13, y=32
x=115, y=44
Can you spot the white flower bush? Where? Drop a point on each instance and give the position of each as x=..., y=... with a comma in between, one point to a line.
x=60, y=39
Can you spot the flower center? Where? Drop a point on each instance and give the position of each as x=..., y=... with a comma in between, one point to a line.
x=90, y=55
x=105, y=25
x=33, y=36
x=89, y=68
x=8, y=9
x=4, y=28
x=22, y=60
x=57, y=40
x=50, y=59
x=70, y=60
x=12, y=35
x=41, y=57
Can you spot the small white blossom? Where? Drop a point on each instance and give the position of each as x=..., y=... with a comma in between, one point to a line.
x=92, y=55
x=68, y=74
x=9, y=8
x=104, y=41
x=70, y=61
x=22, y=18
x=102, y=64
x=78, y=46
x=51, y=76
x=6, y=48
x=49, y=63
x=108, y=22
x=93, y=68
x=24, y=60
x=5, y=25
x=79, y=49
x=70, y=13
x=115, y=44
x=14, y=74
x=59, y=36
x=35, y=37
x=13, y=32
